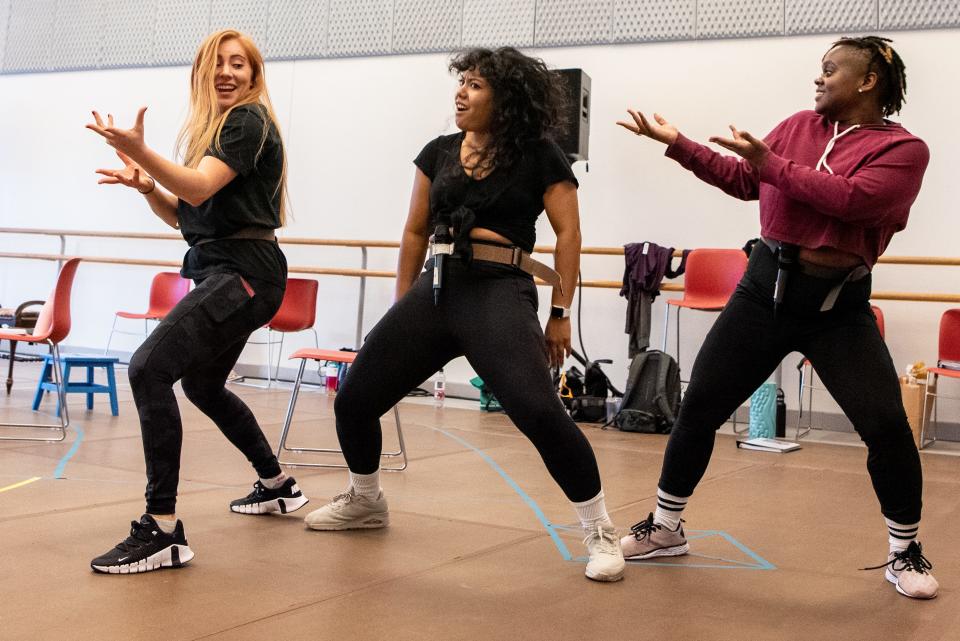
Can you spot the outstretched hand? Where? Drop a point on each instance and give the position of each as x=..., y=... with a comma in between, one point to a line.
x=744, y=145
x=129, y=141
x=131, y=175
x=659, y=130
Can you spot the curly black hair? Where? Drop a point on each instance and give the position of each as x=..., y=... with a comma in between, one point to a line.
x=528, y=101
x=883, y=60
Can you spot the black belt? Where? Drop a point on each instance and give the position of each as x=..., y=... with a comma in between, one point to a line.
x=841, y=275
x=247, y=233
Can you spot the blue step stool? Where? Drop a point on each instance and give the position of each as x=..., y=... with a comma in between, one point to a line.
x=46, y=382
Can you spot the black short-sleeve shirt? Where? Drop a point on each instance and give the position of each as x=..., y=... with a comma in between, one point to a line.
x=508, y=201
x=250, y=144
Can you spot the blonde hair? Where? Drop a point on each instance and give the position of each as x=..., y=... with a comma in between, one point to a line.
x=203, y=125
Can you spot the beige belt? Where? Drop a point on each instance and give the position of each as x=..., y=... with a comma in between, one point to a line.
x=518, y=258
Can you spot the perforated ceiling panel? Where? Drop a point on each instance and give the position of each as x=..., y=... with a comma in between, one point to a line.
x=919, y=14
x=573, y=22
x=360, y=28
x=76, y=35
x=247, y=16
x=4, y=15
x=497, y=23
x=126, y=37
x=297, y=29
x=420, y=26
x=819, y=16
x=29, y=32
x=739, y=18
x=649, y=20
x=181, y=26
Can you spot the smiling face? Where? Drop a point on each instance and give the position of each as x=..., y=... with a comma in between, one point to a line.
x=474, y=103
x=843, y=80
x=234, y=75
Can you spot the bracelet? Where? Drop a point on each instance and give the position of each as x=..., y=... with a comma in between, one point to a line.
x=152, y=186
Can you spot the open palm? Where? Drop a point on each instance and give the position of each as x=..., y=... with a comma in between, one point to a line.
x=131, y=175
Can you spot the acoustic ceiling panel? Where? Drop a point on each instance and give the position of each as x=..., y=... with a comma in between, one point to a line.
x=573, y=22
x=421, y=26
x=919, y=14
x=739, y=18
x=181, y=26
x=498, y=23
x=297, y=29
x=128, y=29
x=360, y=28
x=246, y=16
x=653, y=20
x=29, y=34
x=831, y=16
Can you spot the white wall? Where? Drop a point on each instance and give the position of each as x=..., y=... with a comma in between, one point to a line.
x=353, y=126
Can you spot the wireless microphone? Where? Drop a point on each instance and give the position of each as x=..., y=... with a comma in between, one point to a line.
x=786, y=262
x=441, y=248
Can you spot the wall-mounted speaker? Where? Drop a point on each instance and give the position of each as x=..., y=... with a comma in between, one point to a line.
x=575, y=141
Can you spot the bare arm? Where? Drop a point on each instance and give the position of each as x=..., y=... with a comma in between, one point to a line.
x=413, y=244
x=563, y=211
x=191, y=185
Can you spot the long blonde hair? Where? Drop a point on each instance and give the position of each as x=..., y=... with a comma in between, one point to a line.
x=203, y=125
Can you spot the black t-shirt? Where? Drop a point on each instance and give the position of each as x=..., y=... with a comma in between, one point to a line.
x=251, y=199
x=508, y=201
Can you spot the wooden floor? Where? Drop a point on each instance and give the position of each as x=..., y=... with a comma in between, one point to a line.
x=482, y=543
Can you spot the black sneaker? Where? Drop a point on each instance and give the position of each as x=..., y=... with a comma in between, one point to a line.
x=147, y=548
x=286, y=498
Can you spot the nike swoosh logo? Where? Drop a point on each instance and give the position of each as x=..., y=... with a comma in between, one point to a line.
x=123, y=559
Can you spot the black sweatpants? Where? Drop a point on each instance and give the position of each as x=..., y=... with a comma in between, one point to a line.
x=487, y=313
x=844, y=345
x=198, y=343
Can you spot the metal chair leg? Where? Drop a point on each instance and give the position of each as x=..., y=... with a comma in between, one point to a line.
x=924, y=421
x=64, y=415
x=282, y=446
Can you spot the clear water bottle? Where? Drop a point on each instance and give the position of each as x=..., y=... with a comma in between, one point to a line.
x=439, y=388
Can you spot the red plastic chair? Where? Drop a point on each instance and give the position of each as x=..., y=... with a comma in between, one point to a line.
x=710, y=278
x=806, y=372
x=948, y=352
x=297, y=313
x=336, y=356
x=53, y=325
x=166, y=290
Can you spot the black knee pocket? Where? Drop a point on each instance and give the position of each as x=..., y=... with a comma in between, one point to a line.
x=227, y=294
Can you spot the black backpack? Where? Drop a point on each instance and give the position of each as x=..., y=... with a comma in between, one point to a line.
x=652, y=398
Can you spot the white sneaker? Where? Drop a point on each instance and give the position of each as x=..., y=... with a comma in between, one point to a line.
x=908, y=570
x=350, y=511
x=606, y=558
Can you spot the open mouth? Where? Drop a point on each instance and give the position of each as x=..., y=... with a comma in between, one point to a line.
x=461, y=107
x=224, y=88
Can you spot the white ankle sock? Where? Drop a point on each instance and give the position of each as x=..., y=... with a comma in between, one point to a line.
x=167, y=526
x=669, y=509
x=367, y=485
x=275, y=482
x=900, y=535
x=592, y=512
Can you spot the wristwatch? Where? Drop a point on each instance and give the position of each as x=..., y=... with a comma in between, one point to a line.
x=557, y=311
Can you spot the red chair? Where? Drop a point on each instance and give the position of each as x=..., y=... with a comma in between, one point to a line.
x=806, y=372
x=710, y=277
x=53, y=325
x=338, y=357
x=166, y=290
x=948, y=365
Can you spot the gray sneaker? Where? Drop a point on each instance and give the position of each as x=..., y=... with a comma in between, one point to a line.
x=606, y=559
x=350, y=511
x=648, y=539
x=909, y=571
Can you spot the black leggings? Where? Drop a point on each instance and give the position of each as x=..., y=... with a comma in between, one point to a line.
x=487, y=313
x=198, y=343
x=844, y=345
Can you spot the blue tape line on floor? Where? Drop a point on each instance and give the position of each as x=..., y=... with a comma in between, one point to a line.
x=551, y=530
x=62, y=464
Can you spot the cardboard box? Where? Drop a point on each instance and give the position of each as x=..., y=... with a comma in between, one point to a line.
x=913, y=394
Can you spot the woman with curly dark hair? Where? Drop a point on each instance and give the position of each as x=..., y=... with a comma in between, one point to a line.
x=485, y=185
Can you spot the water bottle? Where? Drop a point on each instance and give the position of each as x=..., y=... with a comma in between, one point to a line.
x=332, y=372
x=439, y=389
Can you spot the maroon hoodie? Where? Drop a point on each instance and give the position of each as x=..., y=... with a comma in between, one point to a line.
x=853, y=195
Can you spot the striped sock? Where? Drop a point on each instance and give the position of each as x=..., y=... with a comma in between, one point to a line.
x=592, y=512
x=901, y=535
x=275, y=482
x=367, y=485
x=669, y=509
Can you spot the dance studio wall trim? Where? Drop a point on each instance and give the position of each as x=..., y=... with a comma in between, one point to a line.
x=63, y=35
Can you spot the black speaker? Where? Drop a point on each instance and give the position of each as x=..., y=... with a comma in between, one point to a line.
x=575, y=141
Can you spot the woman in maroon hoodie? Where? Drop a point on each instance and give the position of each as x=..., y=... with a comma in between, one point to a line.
x=834, y=185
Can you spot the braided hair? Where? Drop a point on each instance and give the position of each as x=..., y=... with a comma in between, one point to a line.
x=887, y=64
x=528, y=101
